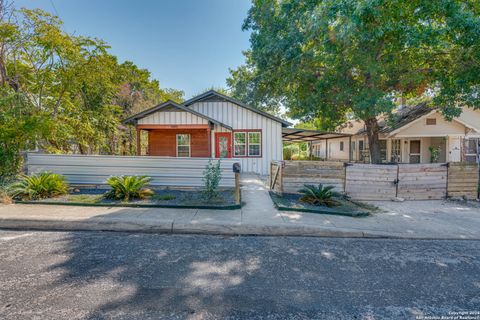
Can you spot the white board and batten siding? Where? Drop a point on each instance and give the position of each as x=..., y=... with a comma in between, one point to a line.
x=172, y=117
x=240, y=118
x=95, y=169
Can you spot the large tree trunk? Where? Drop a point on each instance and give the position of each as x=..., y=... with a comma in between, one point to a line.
x=373, y=141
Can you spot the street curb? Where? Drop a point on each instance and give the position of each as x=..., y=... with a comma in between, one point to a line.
x=198, y=229
x=132, y=205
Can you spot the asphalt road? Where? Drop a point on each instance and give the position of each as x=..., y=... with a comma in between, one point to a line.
x=96, y=275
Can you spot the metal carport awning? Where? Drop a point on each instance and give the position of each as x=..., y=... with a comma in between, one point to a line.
x=304, y=135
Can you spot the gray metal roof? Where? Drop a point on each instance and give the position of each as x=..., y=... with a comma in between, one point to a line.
x=304, y=135
x=210, y=93
x=143, y=114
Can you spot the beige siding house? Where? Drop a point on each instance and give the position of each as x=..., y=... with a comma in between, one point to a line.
x=409, y=138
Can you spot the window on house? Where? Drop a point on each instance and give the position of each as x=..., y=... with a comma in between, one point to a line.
x=341, y=145
x=240, y=144
x=431, y=121
x=353, y=145
x=254, y=143
x=183, y=145
x=471, y=150
x=396, y=151
x=247, y=144
x=361, y=153
x=383, y=150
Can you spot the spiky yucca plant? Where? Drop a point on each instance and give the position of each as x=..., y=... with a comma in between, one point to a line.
x=128, y=187
x=321, y=195
x=38, y=186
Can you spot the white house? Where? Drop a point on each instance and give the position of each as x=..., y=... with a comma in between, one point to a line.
x=212, y=125
x=409, y=138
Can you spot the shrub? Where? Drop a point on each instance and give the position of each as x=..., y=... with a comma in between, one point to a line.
x=211, y=178
x=321, y=195
x=128, y=187
x=4, y=197
x=434, y=154
x=39, y=186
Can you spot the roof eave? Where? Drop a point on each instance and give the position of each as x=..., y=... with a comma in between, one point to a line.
x=235, y=101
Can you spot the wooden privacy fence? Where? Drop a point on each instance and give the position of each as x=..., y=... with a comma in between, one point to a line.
x=379, y=182
x=289, y=176
x=389, y=181
x=370, y=181
x=463, y=180
x=94, y=169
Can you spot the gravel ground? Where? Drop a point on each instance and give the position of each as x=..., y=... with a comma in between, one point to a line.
x=175, y=197
x=99, y=275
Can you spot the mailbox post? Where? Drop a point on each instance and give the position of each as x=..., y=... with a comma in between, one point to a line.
x=236, y=169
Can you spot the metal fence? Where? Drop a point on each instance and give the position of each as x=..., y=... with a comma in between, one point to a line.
x=95, y=169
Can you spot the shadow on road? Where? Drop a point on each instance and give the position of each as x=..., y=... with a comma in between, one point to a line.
x=146, y=275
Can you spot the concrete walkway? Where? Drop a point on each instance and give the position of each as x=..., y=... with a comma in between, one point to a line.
x=419, y=219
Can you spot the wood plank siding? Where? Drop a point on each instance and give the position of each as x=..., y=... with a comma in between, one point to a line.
x=172, y=117
x=241, y=118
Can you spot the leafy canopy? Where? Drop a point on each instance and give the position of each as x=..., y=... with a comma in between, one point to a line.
x=65, y=93
x=325, y=59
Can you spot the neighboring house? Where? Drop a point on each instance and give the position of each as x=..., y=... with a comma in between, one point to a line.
x=407, y=136
x=212, y=125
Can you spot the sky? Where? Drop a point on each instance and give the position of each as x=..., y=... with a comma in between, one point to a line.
x=186, y=44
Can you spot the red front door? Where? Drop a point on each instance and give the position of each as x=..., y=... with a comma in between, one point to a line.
x=223, y=145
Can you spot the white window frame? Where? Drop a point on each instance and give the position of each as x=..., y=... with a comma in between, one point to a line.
x=393, y=142
x=184, y=145
x=259, y=144
x=240, y=144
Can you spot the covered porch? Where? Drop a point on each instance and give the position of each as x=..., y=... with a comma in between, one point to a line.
x=173, y=130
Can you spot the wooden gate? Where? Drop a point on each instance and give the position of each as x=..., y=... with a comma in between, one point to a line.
x=422, y=181
x=371, y=182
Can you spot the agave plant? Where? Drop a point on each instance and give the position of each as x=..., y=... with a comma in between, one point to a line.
x=38, y=186
x=128, y=187
x=321, y=195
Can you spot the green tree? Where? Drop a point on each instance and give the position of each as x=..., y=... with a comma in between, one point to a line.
x=331, y=57
x=252, y=87
x=64, y=93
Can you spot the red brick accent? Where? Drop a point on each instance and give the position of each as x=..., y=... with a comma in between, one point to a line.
x=163, y=142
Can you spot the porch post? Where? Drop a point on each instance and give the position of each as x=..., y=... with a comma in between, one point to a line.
x=139, y=150
x=326, y=149
x=350, y=149
x=209, y=134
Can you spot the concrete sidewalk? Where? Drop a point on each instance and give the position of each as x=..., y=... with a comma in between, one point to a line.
x=417, y=220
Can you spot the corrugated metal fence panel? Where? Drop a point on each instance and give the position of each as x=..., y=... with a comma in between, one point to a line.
x=298, y=173
x=422, y=181
x=463, y=180
x=95, y=169
x=370, y=181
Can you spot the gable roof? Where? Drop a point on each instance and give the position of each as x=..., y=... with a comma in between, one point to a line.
x=212, y=93
x=170, y=103
x=399, y=119
x=406, y=116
